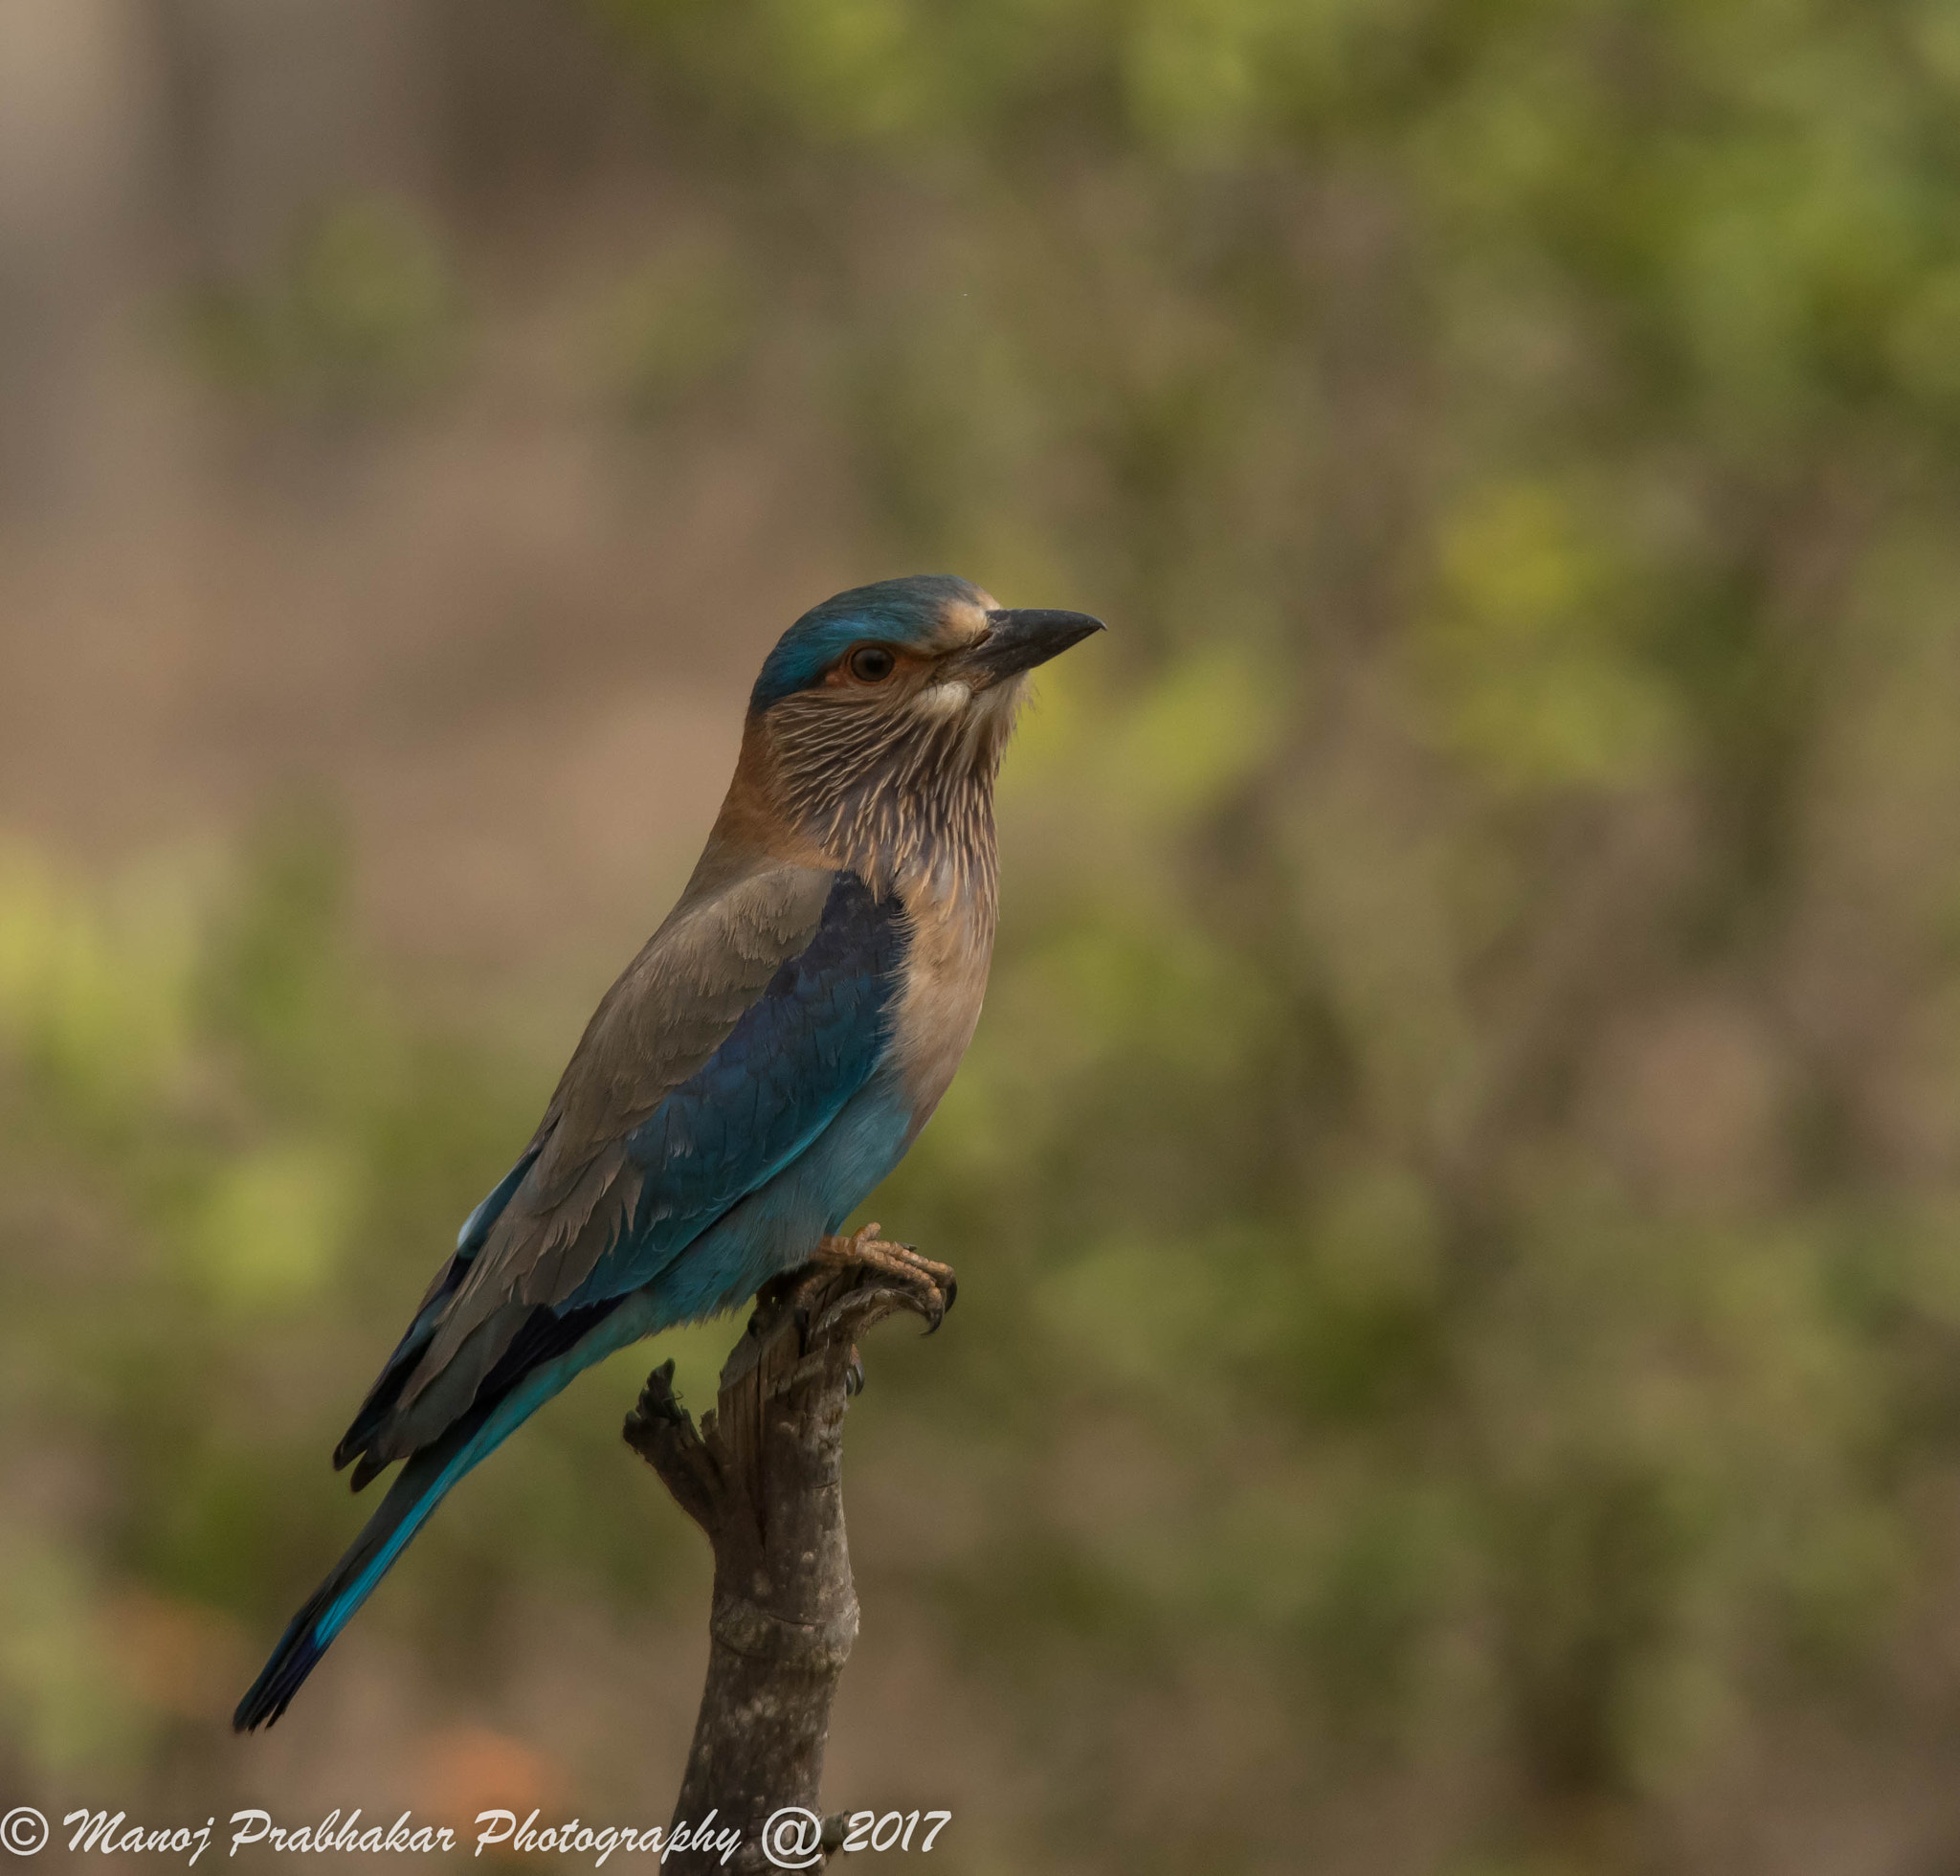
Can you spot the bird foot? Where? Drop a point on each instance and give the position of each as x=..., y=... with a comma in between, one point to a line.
x=898, y=1277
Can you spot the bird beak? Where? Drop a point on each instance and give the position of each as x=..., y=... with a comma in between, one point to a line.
x=1018, y=641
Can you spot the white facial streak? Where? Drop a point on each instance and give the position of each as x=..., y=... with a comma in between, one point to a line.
x=946, y=699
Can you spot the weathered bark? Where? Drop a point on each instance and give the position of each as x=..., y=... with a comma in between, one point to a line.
x=763, y=1478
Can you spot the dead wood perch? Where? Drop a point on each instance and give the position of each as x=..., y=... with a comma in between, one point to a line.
x=764, y=1478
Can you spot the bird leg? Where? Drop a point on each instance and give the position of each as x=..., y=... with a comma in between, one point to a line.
x=899, y=1275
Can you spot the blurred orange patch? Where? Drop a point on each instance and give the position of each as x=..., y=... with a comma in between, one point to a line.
x=178, y=1657
x=469, y=1769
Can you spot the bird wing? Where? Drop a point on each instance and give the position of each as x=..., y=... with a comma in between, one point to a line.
x=728, y=1045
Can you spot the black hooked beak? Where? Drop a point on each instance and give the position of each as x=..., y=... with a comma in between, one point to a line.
x=1018, y=641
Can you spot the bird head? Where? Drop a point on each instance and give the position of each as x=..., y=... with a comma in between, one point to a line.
x=880, y=715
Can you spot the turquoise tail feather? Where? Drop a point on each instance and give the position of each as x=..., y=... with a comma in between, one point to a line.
x=420, y=1487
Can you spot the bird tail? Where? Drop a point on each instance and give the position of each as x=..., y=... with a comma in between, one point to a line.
x=537, y=1364
x=415, y=1493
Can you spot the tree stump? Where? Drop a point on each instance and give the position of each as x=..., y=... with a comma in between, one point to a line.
x=764, y=1478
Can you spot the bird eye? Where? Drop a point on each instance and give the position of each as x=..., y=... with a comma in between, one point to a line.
x=871, y=664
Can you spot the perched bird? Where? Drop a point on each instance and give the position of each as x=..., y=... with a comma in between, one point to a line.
x=756, y=1070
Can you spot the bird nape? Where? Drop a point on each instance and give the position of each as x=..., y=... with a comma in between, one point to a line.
x=755, y=1071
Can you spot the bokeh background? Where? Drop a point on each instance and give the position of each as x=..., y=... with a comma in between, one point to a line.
x=1458, y=1188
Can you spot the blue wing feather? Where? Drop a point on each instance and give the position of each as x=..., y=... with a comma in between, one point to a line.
x=407, y=1352
x=794, y=1061
x=787, y=1070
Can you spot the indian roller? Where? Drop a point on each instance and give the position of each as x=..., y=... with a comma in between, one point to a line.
x=759, y=1067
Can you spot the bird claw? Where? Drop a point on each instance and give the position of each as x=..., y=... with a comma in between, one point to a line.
x=890, y=1276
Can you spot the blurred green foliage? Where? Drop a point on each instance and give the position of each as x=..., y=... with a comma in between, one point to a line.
x=1458, y=1182
x=364, y=313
